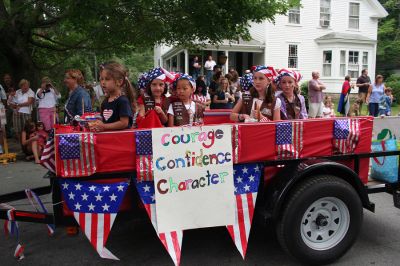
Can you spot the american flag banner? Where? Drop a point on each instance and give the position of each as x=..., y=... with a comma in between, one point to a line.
x=172, y=241
x=95, y=207
x=47, y=160
x=346, y=134
x=76, y=153
x=144, y=156
x=246, y=180
x=289, y=140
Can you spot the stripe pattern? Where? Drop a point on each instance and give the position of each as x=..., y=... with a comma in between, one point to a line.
x=172, y=241
x=77, y=154
x=47, y=159
x=289, y=140
x=246, y=180
x=95, y=207
x=144, y=166
x=346, y=134
x=235, y=143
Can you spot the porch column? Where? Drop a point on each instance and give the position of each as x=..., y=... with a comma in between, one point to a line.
x=186, y=61
x=227, y=62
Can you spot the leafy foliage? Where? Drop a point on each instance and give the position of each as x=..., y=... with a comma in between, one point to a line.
x=394, y=82
x=40, y=35
x=388, y=52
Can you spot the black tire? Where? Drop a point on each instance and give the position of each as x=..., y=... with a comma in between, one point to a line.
x=299, y=206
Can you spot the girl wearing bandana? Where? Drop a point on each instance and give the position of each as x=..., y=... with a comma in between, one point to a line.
x=293, y=104
x=185, y=111
x=258, y=103
x=116, y=109
x=154, y=97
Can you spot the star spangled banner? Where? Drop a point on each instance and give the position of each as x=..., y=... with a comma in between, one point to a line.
x=289, y=140
x=95, y=207
x=172, y=241
x=346, y=134
x=246, y=180
x=144, y=155
x=76, y=153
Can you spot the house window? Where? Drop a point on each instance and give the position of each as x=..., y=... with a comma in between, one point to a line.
x=294, y=15
x=365, y=60
x=353, y=67
x=325, y=13
x=354, y=16
x=292, y=58
x=342, y=63
x=327, y=64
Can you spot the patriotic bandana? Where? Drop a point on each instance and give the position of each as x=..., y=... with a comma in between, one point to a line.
x=246, y=82
x=142, y=81
x=180, y=76
x=268, y=71
x=159, y=73
x=288, y=73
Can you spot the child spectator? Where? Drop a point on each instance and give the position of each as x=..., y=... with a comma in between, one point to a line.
x=328, y=110
x=385, y=103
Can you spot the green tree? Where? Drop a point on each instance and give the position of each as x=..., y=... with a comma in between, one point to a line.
x=41, y=35
x=388, y=52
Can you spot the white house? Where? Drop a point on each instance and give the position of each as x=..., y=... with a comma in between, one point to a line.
x=334, y=37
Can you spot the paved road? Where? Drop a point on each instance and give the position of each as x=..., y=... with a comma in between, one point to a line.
x=135, y=242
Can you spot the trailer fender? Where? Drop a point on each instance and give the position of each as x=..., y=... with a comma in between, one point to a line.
x=291, y=175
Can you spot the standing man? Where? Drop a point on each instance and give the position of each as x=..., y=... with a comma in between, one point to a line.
x=363, y=83
x=315, y=96
x=8, y=85
x=209, y=66
x=196, y=67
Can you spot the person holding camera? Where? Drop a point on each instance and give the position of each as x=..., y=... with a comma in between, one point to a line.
x=47, y=96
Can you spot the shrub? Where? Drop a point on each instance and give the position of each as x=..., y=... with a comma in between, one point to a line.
x=393, y=81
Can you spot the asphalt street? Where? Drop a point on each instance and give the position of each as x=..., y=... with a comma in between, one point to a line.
x=135, y=242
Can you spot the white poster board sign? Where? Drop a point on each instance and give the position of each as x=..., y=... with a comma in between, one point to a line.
x=386, y=127
x=193, y=177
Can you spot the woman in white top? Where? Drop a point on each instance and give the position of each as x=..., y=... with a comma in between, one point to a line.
x=47, y=96
x=24, y=98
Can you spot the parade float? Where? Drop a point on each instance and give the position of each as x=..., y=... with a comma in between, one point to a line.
x=311, y=177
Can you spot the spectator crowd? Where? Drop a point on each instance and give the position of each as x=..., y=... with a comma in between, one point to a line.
x=162, y=98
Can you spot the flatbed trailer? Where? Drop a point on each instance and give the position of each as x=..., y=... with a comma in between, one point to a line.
x=315, y=200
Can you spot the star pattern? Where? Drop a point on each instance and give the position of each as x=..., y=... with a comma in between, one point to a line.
x=246, y=178
x=144, y=143
x=246, y=82
x=341, y=129
x=93, y=198
x=283, y=133
x=69, y=147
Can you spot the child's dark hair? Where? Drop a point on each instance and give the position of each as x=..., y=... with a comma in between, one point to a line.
x=270, y=95
x=201, y=87
x=29, y=127
x=118, y=72
x=148, y=88
x=388, y=89
x=39, y=124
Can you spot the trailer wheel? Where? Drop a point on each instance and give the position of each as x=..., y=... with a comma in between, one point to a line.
x=321, y=220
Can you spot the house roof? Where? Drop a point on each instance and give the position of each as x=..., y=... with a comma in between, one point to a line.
x=378, y=8
x=338, y=36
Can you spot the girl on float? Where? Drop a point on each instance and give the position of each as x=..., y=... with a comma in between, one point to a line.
x=293, y=104
x=154, y=97
x=260, y=104
x=184, y=111
x=116, y=109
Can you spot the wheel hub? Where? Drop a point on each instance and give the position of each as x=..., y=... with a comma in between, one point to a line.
x=325, y=223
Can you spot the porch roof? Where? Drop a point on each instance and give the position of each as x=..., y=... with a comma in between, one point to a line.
x=251, y=46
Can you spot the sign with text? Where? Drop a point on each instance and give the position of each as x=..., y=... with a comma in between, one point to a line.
x=193, y=177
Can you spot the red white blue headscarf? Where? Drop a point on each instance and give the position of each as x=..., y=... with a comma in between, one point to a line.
x=142, y=81
x=246, y=82
x=268, y=71
x=288, y=73
x=179, y=76
x=159, y=73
